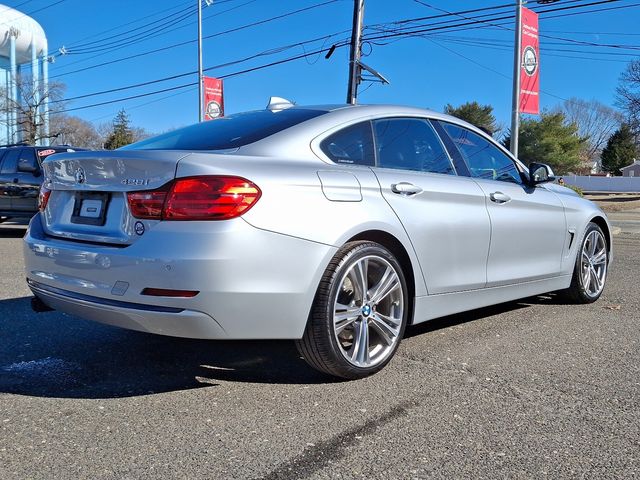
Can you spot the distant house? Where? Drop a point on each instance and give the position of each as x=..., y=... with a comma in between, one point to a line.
x=632, y=170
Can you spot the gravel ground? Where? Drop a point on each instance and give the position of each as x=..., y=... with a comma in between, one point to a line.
x=527, y=389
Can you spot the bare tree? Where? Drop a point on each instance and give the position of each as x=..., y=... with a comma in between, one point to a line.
x=29, y=108
x=628, y=95
x=75, y=131
x=595, y=122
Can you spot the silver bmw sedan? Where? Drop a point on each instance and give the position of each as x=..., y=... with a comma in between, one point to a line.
x=334, y=226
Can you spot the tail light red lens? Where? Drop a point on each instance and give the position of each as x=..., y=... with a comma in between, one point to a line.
x=43, y=198
x=196, y=198
x=147, y=204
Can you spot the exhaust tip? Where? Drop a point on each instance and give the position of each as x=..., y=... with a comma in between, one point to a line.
x=39, y=306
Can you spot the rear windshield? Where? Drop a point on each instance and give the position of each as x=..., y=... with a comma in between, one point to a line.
x=228, y=132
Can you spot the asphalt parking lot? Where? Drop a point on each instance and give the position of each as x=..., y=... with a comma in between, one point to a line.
x=528, y=389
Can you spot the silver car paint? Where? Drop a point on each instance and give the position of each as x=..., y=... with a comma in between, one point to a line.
x=258, y=274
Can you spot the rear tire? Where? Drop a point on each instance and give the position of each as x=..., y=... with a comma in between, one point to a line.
x=590, y=270
x=359, y=313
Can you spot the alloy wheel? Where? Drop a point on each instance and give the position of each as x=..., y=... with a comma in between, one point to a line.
x=368, y=311
x=594, y=263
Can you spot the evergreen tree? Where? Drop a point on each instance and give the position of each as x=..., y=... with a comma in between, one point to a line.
x=479, y=115
x=549, y=140
x=620, y=151
x=121, y=132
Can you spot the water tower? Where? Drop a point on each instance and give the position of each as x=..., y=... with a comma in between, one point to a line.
x=22, y=42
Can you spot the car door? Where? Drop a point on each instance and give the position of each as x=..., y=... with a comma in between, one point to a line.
x=24, y=199
x=528, y=226
x=8, y=179
x=444, y=214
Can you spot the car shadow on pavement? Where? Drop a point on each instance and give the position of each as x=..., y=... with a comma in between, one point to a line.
x=55, y=355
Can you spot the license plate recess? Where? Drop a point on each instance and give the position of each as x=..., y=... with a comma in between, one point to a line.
x=90, y=208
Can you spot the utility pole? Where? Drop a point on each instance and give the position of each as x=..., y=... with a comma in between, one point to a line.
x=517, y=60
x=354, y=55
x=200, y=75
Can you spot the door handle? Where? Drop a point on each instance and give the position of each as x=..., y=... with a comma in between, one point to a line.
x=15, y=180
x=404, y=188
x=499, y=197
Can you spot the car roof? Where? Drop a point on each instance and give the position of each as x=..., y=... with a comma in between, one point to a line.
x=352, y=112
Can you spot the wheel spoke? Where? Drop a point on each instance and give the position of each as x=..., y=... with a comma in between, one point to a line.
x=386, y=331
x=387, y=284
x=596, y=279
x=600, y=257
x=360, y=351
x=343, y=316
x=361, y=270
x=593, y=239
x=358, y=293
x=586, y=278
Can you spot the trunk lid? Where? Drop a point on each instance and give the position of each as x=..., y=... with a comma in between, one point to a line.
x=88, y=200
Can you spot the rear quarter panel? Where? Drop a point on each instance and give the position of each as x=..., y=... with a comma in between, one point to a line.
x=292, y=201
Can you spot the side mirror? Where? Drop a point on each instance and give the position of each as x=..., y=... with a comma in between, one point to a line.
x=28, y=166
x=540, y=173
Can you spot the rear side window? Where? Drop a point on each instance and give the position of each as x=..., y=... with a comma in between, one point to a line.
x=410, y=144
x=351, y=145
x=228, y=132
x=10, y=161
x=485, y=160
x=27, y=161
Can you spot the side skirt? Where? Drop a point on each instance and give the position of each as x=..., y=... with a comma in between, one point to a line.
x=434, y=306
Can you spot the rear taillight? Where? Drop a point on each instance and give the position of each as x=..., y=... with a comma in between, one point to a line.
x=147, y=204
x=196, y=198
x=43, y=198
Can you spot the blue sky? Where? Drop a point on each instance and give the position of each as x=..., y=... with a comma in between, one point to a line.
x=430, y=71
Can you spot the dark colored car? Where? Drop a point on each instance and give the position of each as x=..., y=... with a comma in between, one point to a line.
x=21, y=177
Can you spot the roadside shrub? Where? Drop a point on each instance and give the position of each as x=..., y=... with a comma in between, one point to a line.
x=578, y=190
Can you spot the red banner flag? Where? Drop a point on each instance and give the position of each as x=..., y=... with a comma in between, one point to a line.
x=529, y=64
x=213, y=98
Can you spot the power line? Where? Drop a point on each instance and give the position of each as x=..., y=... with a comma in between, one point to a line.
x=153, y=33
x=28, y=14
x=146, y=17
x=187, y=42
x=414, y=32
x=191, y=84
x=568, y=40
x=472, y=23
x=106, y=40
x=144, y=34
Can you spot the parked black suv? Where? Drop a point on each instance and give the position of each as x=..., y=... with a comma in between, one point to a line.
x=21, y=177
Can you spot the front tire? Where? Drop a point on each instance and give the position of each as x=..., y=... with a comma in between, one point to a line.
x=590, y=271
x=359, y=313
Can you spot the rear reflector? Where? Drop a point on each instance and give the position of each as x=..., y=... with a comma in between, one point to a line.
x=196, y=198
x=161, y=292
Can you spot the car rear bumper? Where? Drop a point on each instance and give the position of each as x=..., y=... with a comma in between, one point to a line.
x=252, y=284
x=175, y=322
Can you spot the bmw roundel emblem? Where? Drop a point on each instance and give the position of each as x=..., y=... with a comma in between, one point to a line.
x=139, y=228
x=80, y=176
